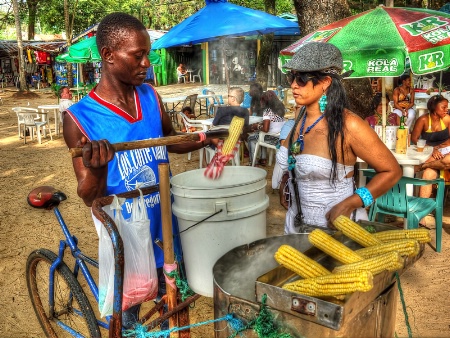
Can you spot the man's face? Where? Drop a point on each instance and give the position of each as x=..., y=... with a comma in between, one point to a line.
x=129, y=62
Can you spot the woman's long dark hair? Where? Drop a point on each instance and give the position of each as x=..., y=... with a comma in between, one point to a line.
x=256, y=91
x=334, y=113
x=270, y=100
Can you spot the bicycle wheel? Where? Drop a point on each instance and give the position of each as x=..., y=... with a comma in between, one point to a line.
x=72, y=308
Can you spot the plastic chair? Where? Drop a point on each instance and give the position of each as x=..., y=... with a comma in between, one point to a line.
x=247, y=100
x=20, y=119
x=31, y=124
x=261, y=143
x=396, y=202
x=197, y=76
x=192, y=126
x=213, y=104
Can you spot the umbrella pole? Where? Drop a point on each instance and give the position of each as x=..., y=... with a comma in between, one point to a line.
x=440, y=82
x=383, y=100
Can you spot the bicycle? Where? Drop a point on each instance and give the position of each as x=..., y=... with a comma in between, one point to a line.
x=58, y=299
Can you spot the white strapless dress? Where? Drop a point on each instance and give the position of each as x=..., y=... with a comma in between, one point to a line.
x=318, y=194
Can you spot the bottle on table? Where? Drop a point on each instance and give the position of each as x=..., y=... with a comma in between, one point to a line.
x=401, y=144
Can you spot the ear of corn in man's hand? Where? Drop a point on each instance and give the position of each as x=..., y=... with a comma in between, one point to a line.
x=334, y=284
x=299, y=263
x=355, y=232
x=234, y=132
x=321, y=240
x=390, y=261
x=405, y=247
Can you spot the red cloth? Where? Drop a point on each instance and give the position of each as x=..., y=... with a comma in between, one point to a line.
x=215, y=167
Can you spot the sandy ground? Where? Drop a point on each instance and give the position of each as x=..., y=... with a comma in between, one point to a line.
x=24, y=229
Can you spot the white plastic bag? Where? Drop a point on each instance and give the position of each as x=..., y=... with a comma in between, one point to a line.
x=140, y=276
x=140, y=280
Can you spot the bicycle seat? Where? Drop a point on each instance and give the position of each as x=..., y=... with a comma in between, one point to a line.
x=45, y=197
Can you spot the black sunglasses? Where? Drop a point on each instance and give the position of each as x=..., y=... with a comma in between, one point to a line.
x=300, y=78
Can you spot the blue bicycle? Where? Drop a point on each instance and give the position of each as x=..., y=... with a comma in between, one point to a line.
x=58, y=299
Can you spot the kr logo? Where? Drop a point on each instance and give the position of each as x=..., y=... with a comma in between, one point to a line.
x=431, y=60
x=424, y=25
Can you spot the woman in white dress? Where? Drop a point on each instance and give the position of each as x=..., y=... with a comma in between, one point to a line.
x=319, y=155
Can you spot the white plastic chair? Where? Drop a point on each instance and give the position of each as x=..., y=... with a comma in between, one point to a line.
x=197, y=76
x=261, y=143
x=20, y=120
x=189, y=123
x=30, y=123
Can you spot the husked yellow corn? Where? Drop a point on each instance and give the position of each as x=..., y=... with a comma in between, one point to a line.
x=334, y=284
x=390, y=261
x=405, y=247
x=355, y=232
x=299, y=263
x=421, y=235
x=236, y=126
x=333, y=247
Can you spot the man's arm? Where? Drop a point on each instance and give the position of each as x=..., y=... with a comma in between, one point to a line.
x=91, y=170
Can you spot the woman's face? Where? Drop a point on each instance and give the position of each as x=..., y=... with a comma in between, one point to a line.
x=407, y=82
x=380, y=107
x=441, y=108
x=304, y=91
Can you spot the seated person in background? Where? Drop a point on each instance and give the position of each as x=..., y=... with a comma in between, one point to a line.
x=65, y=100
x=190, y=115
x=376, y=119
x=225, y=114
x=36, y=78
x=256, y=91
x=273, y=120
x=403, y=97
x=181, y=72
x=434, y=127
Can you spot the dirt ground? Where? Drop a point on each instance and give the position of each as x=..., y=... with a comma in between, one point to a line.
x=24, y=229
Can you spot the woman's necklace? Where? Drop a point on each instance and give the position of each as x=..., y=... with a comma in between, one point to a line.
x=297, y=146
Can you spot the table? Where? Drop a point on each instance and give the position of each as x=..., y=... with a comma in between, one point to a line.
x=56, y=115
x=407, y=161
x=189, y=74
x=208, y=122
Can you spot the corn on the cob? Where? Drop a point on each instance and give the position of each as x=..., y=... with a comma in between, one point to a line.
x=355, y=232
x=301, y=264
x=421, y=235
x=333, y=247
x=405, y=247
x=390, y=261
x=236, y=126
x=334, y=284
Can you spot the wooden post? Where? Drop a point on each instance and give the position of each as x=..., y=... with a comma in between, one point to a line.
x=166, y=219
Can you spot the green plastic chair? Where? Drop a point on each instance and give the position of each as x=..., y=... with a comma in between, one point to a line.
x=396, y=202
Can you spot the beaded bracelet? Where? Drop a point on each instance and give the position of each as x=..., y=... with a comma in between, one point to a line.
x=365, y=196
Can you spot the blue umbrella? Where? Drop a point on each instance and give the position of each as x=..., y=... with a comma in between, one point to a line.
x=220, y=18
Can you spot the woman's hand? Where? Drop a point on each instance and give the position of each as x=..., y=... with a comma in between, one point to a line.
x=437, y=154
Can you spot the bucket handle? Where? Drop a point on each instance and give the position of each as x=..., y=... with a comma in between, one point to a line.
x=201, y=221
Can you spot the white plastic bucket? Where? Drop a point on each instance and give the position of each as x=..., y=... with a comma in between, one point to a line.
x=240, y=194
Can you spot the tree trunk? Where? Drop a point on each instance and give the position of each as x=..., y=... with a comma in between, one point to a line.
x=22, y=80
x=68, y=28
x=32, y=10
x=262, y=65
x=313, y=15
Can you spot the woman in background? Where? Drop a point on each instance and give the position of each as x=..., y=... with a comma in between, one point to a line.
x=376, y=119
x=403, y=97
x=273, y=120
x=256, y=91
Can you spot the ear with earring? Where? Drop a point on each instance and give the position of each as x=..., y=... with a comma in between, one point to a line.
x=323, y=102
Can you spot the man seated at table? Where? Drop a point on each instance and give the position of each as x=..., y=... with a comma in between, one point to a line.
x=225, y=114
x=181, y=73
x=65, y=100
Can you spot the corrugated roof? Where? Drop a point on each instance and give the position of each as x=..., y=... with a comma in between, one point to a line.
x=9, y=48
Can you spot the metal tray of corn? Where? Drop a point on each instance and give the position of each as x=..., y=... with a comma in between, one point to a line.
x=326, y=311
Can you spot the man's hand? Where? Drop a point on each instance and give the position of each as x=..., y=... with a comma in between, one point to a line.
x=96, y=154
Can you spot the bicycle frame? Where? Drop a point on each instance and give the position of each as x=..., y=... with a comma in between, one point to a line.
x=80, y=262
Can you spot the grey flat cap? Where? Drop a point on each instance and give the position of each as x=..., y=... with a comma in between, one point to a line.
x=315, y=56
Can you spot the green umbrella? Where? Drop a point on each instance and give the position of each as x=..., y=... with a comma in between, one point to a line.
x=87, y=50
x=378, y=42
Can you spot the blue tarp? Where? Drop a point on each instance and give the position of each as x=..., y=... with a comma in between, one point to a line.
x=220, y=18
